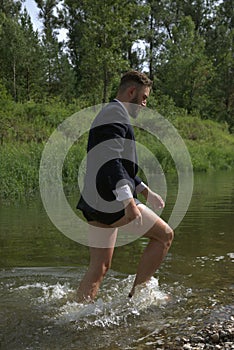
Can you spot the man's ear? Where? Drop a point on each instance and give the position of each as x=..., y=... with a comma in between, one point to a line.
x=131, y=91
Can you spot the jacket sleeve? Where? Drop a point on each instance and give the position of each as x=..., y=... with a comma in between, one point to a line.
x=137, y=180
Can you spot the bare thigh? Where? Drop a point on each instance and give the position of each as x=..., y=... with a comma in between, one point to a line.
x=152, y=227
x=101, y=235
x=156, y=228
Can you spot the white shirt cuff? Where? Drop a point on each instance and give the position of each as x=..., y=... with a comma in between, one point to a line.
x=122, y=193
x=141, y=187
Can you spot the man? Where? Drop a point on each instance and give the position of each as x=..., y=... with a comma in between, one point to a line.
x=109, y=198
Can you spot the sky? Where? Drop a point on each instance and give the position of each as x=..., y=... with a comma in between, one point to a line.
x=33, y=10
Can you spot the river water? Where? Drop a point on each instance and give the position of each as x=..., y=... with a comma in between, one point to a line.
x=40, y=269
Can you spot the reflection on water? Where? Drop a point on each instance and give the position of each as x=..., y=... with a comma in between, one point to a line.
x=38, y=309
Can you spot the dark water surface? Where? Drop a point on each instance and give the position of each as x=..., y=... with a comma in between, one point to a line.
x=40, y=269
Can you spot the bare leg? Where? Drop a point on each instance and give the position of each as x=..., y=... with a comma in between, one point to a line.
x=100, y=262
x=154, y=228
x=160, y=235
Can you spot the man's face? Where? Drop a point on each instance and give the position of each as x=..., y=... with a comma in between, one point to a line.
x=138, y=100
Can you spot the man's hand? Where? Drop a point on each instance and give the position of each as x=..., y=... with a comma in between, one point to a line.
x=154, y=199
x=132, y=212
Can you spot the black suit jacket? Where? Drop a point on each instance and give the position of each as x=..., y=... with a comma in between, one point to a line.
x=111, y=158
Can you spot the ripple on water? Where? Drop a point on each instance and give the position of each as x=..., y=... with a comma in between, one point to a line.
x=38, y=307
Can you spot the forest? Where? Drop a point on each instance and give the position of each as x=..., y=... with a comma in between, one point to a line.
x=185, y=46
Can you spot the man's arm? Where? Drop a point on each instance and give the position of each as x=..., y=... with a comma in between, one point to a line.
x=154, y=199
x=131, y=211
x=124, y=194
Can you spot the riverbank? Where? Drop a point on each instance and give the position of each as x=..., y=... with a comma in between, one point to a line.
x=213, y=336
x=26, y=128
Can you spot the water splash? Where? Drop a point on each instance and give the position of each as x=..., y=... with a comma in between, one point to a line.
x=57, y=300
x=113, y=307
x=38, y=309
x=49, y=292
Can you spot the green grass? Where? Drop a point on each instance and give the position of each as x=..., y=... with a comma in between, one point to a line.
x=19, y=164
x=210, y=145
x=26, y=128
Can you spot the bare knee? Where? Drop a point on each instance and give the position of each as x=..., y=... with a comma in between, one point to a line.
x=164, y=235
x=169, y=236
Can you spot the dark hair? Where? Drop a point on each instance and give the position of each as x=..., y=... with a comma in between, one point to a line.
x=134, y=77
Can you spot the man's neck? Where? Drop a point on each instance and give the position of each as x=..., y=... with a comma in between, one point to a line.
x=124, y=104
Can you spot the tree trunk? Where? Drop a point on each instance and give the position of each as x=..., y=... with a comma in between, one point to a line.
x=14, y=80
x=105, y=84
x=28, y=85
x=151, y=75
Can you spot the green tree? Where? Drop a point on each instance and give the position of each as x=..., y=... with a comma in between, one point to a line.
x=20, y=58
x=220, y=49
x=184, y=71
x=32, y=70
x=10, y=8
x=9, y=14
x=12, y=46
x=159, y=21
x=58, y=73
x=101, y=40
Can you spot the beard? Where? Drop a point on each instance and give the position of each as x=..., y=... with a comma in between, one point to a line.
x=134, y=107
